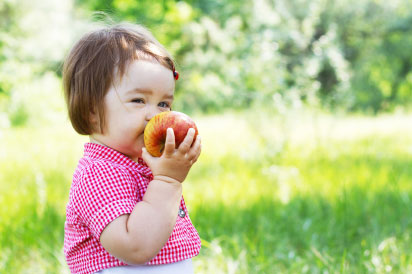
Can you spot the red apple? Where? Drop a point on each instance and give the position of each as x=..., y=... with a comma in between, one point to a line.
x=155, y=131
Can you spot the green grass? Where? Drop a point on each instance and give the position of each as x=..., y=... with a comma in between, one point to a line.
x=312, y=194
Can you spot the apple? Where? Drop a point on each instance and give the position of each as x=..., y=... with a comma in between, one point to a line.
x=156, y=128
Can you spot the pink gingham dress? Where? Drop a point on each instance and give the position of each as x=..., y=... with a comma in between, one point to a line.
x=107, y=184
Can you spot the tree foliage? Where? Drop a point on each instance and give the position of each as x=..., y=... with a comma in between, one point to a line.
x=280, y=54
x=33, y=38
x=354, y=55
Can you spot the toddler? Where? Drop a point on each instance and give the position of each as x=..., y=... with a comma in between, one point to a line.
x=126, y=213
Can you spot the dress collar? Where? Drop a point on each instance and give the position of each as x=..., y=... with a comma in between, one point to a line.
x=100, y=152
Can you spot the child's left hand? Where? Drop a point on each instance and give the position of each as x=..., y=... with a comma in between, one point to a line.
x=174, y=164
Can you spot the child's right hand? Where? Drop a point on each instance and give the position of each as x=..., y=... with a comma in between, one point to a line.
x=174, y=164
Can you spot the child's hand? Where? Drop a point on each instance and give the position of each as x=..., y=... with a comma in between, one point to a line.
x=174, y=164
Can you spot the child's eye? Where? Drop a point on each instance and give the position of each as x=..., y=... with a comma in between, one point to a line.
x=164, y=105
x=138, y=100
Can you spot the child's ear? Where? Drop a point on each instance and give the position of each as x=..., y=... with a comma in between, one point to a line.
x=94, y=121
x=93, y=117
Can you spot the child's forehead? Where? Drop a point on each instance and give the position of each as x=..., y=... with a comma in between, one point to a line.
x=144, y=73
x=121, y=69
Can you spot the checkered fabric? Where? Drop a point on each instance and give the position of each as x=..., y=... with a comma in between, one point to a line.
x=107, y=184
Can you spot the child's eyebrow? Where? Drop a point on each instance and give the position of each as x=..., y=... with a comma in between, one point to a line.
x=140, y=90
x=146, y=91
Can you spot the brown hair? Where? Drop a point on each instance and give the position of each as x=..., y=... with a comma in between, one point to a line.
x=89, y=70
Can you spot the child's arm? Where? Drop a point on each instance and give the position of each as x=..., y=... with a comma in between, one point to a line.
x=138, y=237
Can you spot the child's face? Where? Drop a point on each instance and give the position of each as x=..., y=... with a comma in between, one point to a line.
x=145, y=90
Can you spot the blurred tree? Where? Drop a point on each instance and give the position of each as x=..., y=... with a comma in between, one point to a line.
x=279, y=54
x=383, y=66
x=8, y=28
x=33, y=38
x=235, y=54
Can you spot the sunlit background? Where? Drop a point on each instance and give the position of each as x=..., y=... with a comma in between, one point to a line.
x=304, y=108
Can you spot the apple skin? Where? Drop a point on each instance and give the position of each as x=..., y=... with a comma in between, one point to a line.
x=156, y=130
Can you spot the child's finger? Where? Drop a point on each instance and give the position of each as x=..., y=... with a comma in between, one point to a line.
x=187, y=142
x=194, y=151
x=195, y=159
x=146, y=155
x=170, y=142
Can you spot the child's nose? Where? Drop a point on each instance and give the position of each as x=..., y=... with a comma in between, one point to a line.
x=151, y=111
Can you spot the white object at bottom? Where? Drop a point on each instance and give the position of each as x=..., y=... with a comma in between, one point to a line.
x=182, y=267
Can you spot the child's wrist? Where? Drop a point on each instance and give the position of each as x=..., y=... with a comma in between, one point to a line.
x=166, y=179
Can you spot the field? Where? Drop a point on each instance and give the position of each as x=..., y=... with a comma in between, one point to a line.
x=304, y=193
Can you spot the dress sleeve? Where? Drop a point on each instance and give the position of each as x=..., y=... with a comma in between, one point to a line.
x=104, y=193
